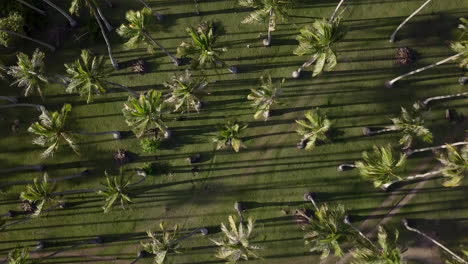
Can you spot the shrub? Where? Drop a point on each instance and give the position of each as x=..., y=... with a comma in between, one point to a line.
x=150, y=145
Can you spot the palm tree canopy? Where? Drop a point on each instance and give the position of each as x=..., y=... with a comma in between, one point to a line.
x=411, y=124
x=185, y=92
x=278, y=8
x=51, y=131
x=314, y=127
x=319, y=40
x=235, y=244
x=326, y=231
x=387, y=251
x=116, y=189
x=461, y=46
x=88, y=75
x=29, y=73
x=381, y=165
x=19, y=256
x=13, y=22
x=162, y=244
x=229, y=135
x=136, y=30
x=455, y=165
x=264, y=96
x=201, y=49
x=145, y=113
x=40, y=193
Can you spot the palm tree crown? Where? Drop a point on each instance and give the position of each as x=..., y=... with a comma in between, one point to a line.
x=279, y=9
x=264, y=96
x=380, y=166
x=455, y=165
x=461, y=46
x=229, y=135
x=88, y=75
x=145, y=113
x=411, y=125
x=315, y=127
x=19, y=256
x=13, y=22
x=136, y=31
x=235, y=244
x=162, y=244
x=39, y=193
x=186, y=92
x=29, y=73
x=51, y=131
x=116, y=189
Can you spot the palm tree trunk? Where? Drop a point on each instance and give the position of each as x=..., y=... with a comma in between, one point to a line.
x=308, y=197
x=109, y=49
x=405, y=223
x=40, y=11
x=410, y=152
x=52, y=48
x=10, y=99
x=238, y=208
x=72, y=22
x=135, y=94
x=158, y=16
x=411, y=178
x=196, y=7
x=336, y=10
x=231, y=69
x=368, y=132
x=37, y=106
x=443, y=97
x=392, y=37
x=108, y=25
x=297, y=72
x=346, y=221
x=173, y=58
x=267, y=41
x=346, y=167
x=389, y=84
x=115, y=134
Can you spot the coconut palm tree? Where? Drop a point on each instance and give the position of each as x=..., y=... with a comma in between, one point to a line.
x=186, y=92
x=267, y=10
x=429, y=100
x=452, y=254
x=95, y=11
x=11, y=27
x=156, y=14
x=313, y=129
x=40, y=193
x=460, y=47
x=381, y=165
x=411, y=125
x=235, y=245
x=325, y=231
x=201, y=50
x=116, y=189
x=145, y=113
x=19, y=256
x=51, y=131
x=38, y=10
x=385, y=251
x=88, y=76
x=29, y=73
x=392, y=37
x=229, y=135
x=72, y=21
x=137, y=31
x=319, y=40
x=264, y=96
x=410, y=152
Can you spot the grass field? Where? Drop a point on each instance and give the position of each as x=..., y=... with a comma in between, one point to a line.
x=271, y=175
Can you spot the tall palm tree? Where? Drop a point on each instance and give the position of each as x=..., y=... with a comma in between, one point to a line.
x=313, y=129
x=40, y=193
x=410, y=152
x=156, y=14
x=385, y=251
x=145, y=113
x=38, y=10
x=201, y=50
x=267, y=10
x=229, y=135
x=326, y=232
x=452, y=254
x=137, y=31
x=88, y=76
x=19, y=256
x=95, y=11
x=319, y=40
x=264, y=97
x=411, y=125
x=392, y=37
x=72, y=21
x=186, y=92
x=51, y=131
x=116, y=189
x=29, y=73
x=460, y=47
x=381, y=165
x=429, y=100
x=12, y=26
x=235, y=244
x=454, y=168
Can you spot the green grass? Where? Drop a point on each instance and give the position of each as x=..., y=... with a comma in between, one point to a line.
x=271, y=174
